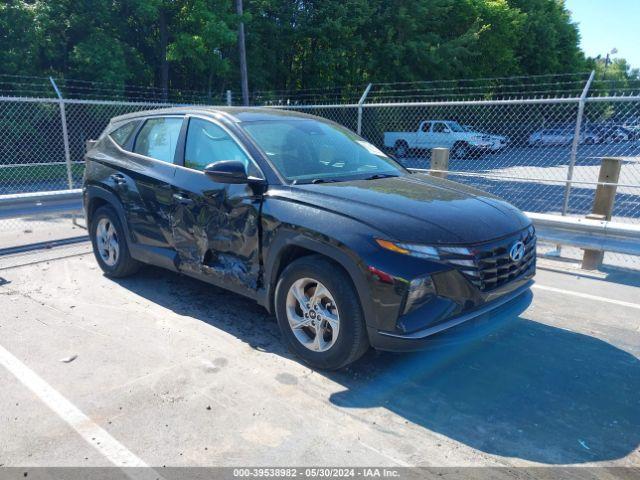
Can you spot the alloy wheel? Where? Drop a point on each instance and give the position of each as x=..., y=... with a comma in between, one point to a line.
x=107, y=242
x=313, y=314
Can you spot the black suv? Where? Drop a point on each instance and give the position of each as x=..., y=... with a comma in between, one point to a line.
x=347, y=247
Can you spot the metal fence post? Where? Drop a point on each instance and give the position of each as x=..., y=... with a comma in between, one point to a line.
x=576, y=141
x=65, y=134
x=229, y=98
x=360, y=103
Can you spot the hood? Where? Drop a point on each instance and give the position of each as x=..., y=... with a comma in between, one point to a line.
x=418, y=208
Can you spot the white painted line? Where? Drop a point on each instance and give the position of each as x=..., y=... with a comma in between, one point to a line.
x=587, y=296
x=96, y=436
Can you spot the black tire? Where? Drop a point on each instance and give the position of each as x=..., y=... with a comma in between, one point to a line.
x=461, y=150
x=401, y=149
x=352, y=341
x=124, y=264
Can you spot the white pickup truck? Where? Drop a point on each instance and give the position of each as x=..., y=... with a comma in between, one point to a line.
x=439, y=133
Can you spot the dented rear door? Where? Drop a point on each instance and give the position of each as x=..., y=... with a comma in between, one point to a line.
x=215, y=225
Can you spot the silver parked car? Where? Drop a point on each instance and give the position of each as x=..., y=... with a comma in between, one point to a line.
x=559, y=136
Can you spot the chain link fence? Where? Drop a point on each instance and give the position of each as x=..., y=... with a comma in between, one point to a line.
x=525, y=151
x=539, y=151
x=42, y=143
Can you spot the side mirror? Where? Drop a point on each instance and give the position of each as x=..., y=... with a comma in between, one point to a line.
x=227, y=171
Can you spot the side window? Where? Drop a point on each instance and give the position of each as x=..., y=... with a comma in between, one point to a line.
x=426, y=126
x=208, y=143
x=439, y=128
x=158, y=138
x=121, y=134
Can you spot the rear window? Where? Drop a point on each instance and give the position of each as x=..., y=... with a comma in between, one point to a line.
x=121, y=134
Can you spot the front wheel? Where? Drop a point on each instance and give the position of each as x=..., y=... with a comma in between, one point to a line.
x=461, y=150
x=319, y=313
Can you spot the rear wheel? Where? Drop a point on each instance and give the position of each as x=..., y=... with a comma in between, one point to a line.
x=319, y=313
x=110, y=244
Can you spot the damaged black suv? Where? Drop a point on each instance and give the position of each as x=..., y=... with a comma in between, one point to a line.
x=347, y=247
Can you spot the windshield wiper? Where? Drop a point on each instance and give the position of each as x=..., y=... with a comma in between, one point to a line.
x=315, y=180
x=335, y=180
x=380, y=175
x=323, y=180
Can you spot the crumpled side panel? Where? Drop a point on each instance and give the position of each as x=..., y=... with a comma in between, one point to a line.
x=218, y=235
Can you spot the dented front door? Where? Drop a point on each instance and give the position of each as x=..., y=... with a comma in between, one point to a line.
x=215, y=225
x=215, y=229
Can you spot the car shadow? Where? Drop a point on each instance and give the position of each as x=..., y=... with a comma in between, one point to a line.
x=507, y=386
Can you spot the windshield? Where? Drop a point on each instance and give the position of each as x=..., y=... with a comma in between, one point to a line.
x=307, y=151
x=456, y=127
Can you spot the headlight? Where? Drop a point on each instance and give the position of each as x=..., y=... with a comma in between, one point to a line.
x=456, y=253
x=412, y=249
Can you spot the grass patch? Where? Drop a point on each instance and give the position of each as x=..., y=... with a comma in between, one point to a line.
x=21, y=174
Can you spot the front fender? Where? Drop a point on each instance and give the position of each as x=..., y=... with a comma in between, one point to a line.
x=344, y=240
x=336, y=252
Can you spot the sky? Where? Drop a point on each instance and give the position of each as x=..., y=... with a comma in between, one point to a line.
x=608, y=24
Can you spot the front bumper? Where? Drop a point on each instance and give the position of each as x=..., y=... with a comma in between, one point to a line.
x=480, y=146
x=422, y=297
x=498, y=145
x=508, y=305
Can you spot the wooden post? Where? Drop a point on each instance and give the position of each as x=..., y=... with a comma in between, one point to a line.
x=603, y=205
x=439, y=161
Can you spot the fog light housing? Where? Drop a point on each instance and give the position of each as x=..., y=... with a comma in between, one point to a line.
x=420, y=291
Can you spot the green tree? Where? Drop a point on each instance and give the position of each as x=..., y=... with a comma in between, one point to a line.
x=292, y=44
x=203, y=30
x=18, y=38
x=548, y=40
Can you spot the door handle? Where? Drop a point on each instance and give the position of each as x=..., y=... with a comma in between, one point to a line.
x=118, y=178
x=182, y=200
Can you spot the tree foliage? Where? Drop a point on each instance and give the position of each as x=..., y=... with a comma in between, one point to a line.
x=291, y=44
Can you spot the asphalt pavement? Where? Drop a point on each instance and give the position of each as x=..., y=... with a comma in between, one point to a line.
x=162, y=370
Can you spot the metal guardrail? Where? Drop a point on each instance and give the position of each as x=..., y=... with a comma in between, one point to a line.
x=36, y=203
x=600, y=235
x=585, y=233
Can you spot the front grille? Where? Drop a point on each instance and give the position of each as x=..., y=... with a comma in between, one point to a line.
x=489, y=266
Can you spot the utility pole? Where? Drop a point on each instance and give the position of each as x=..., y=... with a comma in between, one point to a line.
x=607, y=61
x=243, y=57
x=164, y=63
